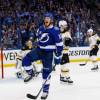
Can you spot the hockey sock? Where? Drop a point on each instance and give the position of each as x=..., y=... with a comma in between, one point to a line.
x=19, y=64
x=64, y=71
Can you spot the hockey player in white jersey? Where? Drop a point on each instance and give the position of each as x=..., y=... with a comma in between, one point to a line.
x=26, y=40
x=94, y=41
x=66, y=36
x=20, y=72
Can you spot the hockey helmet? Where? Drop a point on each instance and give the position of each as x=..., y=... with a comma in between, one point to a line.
x=90, y=32
x=63, y=23
x=49, y=15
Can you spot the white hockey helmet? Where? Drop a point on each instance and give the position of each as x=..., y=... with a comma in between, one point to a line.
x=63, y=23
x=90, y=32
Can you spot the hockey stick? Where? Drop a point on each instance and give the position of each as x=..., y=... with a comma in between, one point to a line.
x=85, y=61
x=83, y=64
x=36, y=96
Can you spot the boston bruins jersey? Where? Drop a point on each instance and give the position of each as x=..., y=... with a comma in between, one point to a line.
x=66, y=41
x=93, y=40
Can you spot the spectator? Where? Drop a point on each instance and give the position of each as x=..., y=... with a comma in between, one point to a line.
x=79, y=15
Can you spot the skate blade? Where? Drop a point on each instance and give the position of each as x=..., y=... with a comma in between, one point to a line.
x=30, y=80
x=95, y=70
x=61, y=82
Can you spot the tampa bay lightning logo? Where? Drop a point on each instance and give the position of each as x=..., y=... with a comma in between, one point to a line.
x=44, y=37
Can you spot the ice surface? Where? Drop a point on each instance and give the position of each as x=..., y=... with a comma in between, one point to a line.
x=86, y=85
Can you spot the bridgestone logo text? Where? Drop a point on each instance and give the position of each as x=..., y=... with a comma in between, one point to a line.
x=78, y=52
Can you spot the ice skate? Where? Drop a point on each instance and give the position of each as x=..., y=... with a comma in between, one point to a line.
x=95, y=68
x=19, y=75
x=29, y=77
x=66, y=79
x=44, y=96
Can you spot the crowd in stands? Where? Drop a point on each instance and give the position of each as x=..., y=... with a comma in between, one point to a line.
x=28, y=14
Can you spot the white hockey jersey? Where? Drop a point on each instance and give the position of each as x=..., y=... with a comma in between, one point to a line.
x=65, y=36
x=93, y=40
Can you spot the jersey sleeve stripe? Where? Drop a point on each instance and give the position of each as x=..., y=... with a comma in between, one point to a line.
x=59, y=44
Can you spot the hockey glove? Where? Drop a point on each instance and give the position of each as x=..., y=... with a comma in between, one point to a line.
x=57, y=59
x=29, y=44
x=98, y=42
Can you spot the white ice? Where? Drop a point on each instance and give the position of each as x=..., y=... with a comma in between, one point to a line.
x=86, y=85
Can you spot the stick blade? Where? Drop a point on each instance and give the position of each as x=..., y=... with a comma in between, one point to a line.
x=82, y=64
x=31, y=96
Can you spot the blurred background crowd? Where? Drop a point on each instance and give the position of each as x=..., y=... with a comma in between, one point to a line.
x=27, y=16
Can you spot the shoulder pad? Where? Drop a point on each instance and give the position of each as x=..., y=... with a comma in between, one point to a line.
x=56, y=28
